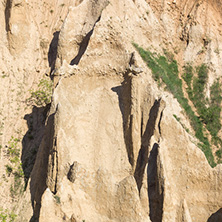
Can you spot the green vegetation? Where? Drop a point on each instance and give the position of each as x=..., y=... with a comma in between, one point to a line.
x=165, y=70
x=219, y=153
x=13, y=150
x=212, y=119
x=15, y=166
x=57, y=199
x=6, y=216
x=9, y=169
x=42, y=96
x=17, y=187
x=208, y=109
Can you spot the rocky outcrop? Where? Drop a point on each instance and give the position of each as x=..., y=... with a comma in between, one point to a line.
x=77, y=30
x=118, y=149
x=110, y=148
x=25, y=37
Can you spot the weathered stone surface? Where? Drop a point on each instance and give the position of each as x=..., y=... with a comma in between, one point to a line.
x=111, y=149
x=135, y=161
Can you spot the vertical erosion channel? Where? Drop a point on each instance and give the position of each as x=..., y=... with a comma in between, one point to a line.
x=8, y=8
x=155, y=185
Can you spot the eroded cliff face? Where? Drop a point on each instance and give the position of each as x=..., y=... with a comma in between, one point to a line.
x=109, y=145
x=28, y=42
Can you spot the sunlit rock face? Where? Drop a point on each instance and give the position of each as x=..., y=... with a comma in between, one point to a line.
x=113, y=145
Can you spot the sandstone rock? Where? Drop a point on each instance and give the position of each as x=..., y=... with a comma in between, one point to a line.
x=121, y=130
x=110, y=148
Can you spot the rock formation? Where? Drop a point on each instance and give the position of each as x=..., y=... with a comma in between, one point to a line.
x=108, y=147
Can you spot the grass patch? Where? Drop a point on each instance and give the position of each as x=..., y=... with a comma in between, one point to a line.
x=208, y=109
x=165, y=70
x=219, y=153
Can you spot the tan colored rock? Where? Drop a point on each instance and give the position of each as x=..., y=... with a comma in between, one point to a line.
x=135, y=161
x=77, y=30
x=112, y=150
x=27, y=29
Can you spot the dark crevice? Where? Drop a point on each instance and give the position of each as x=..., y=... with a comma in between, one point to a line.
x=216, y=217
x=130, y=142
x=56, y=178
x=155, y=185
x=54, y=165
x=83, y=45
x=70, y=175
x=33, y=137
x=52, y=177
x=187, y=41
x=39, y=173
x=161, y=115
x=52, y=53
x=8, y=8
x=124, y=95
x=141, y=130
x=142, y=159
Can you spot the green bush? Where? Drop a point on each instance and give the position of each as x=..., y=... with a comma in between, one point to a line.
x=42, y=96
